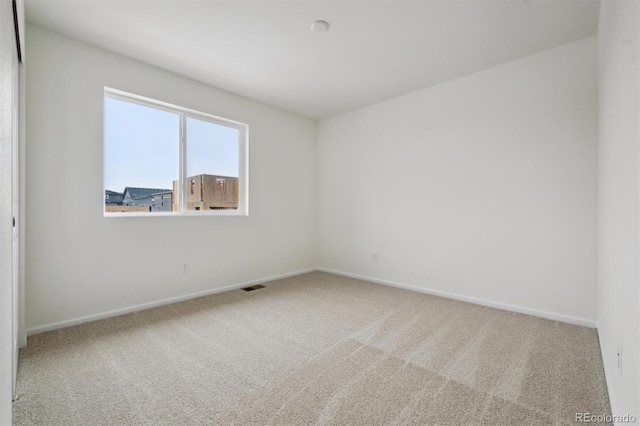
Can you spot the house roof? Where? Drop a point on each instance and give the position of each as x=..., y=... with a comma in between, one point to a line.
x=113, y=198
x=137, y=193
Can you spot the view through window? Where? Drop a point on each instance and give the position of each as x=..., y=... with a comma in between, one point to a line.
x=161, y=158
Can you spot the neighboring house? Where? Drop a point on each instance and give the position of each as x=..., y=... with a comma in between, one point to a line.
x=162, y=201
x=113, y=198
x=209, y=192
x=141, y=196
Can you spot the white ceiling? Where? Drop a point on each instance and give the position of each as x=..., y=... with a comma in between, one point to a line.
x=374, y=50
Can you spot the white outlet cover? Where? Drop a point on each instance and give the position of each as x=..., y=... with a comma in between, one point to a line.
x=620, y=360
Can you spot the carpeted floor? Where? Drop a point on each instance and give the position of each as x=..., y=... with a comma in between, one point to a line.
x=313, y=349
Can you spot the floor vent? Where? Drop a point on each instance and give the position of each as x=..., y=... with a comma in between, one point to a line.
x=253, y=287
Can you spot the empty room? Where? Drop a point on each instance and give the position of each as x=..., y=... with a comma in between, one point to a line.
x=343, y=212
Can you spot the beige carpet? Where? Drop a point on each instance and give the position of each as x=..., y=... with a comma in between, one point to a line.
x=313, y=349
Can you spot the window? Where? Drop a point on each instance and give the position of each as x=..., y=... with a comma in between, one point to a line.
x=165, y=159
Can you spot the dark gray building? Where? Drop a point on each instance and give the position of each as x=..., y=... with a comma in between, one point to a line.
x=113, y=198
x=141, y=196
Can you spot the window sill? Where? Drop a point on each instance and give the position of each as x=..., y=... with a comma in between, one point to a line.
x=168, y=214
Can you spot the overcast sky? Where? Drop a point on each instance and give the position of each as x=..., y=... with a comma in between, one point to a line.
x=142, y=147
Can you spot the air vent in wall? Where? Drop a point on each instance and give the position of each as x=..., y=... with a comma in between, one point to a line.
x=253, y=287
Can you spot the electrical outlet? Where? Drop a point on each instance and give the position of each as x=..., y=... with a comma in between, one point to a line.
x=375, y=256
x=620, y=360
x=185, y=267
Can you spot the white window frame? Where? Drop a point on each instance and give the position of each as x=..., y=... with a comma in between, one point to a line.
x=184, y=113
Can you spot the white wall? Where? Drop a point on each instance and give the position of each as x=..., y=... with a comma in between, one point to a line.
x=619, y=199
x=484, y=186
x=79, y=263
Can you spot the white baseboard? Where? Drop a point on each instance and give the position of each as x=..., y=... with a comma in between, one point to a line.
x=143, y=306
x=608, y=376
x=122, y=311
x=477, y=301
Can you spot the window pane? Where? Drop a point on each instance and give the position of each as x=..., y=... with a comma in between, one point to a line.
x=141, y=157
x=212, y=166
